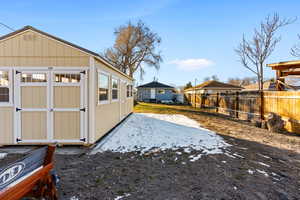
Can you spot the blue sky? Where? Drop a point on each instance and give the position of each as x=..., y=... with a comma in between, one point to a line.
x=198, y=37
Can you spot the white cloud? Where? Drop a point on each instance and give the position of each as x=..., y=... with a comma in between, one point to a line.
x=192, y=64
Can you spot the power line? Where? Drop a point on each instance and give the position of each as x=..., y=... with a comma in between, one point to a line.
x=6, y=26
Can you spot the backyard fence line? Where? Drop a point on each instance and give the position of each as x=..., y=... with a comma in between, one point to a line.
x=253, y=105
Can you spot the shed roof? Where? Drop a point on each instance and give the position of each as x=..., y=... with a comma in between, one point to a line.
x=96, y=55
x=215, y=84
x=155, y=84
x=285, y=64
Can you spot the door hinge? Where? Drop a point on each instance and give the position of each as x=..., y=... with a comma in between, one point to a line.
x=18, y=140
x=82, y=109
x=18, y=72
x=83, y=72
x=18, y=109
x=82, y=139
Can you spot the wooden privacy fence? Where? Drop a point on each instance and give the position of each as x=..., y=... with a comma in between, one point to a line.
x=253, y=105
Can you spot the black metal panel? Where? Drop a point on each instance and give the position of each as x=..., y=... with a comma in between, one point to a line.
x=22, y=167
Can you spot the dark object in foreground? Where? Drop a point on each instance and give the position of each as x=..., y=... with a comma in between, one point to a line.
x=30, y=176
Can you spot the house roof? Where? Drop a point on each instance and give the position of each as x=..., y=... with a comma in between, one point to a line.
x=155, y=84
x=215, y=84
x=267, y=85
x=98, y=56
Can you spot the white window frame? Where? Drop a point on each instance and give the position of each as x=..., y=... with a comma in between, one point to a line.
x=130, y=90
x=10, y=83
x=62, y=83
x=112, y=89
x=34, y=83
x=101, y=102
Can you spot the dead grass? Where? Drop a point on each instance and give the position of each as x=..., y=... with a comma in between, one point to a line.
x=226, y=126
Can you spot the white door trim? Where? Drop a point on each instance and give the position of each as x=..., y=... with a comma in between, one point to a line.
x=50, y=106
x=17, y=95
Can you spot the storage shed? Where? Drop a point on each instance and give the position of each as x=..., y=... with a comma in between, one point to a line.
x=54, y=91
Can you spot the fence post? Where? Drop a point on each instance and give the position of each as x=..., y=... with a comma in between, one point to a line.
x=237, y=105
x=217, y=103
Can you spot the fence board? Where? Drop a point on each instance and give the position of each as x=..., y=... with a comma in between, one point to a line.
x=247, y=105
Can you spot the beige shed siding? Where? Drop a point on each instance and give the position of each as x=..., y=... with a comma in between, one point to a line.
x=34, y=125
x=129, y=106
x=34, y=96
x=6, y=124
x=67, y=125
x=108, y=115
x=30, y=48
x=66, y=96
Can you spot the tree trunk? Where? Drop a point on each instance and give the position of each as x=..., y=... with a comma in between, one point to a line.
x=261, y=76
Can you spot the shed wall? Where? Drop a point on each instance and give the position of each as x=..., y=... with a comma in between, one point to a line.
x=30, y=48
x=109, y=115
x=6, y=124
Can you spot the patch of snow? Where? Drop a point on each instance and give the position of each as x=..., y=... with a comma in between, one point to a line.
x=121, y=197
x=74, y=198
x=145, y=131
x=3, y=155
x=264, y=156
x=183, y=163
x=229, y=155
x=178, y=153
x=262, y=172
x=263, y=164
x=237, y=155
x=235, y=188
x=195, y=158
x=187, y=150
x=224, y=161
x=175, y=159
x=250, y=171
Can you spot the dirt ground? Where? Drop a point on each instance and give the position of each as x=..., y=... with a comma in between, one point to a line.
x=258, y=165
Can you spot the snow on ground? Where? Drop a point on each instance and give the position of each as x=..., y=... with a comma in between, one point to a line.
x=3, y=155
x=145, y=132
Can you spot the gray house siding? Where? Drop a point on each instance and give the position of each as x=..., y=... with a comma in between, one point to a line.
x=144, y=94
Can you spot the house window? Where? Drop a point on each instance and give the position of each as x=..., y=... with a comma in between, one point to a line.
x=103, y=87
x=67, y=78
x=129, y=90
x=33, y=78
x=161, y=91
x=4, y=86
x=114, y=88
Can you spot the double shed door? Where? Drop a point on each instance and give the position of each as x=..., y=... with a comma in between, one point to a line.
x=50, y=106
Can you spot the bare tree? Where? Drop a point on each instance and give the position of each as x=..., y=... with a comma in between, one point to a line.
x=295, y=51
x=254, y=52
x=135, y=45
x=242, y=81
x=213, y=77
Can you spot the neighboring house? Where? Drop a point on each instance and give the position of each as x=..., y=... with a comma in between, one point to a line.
x=54, y=91
x=155, y=92
x=267, y=86
x=211, y=87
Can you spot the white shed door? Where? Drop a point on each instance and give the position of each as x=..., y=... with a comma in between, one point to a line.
x=50, y=106
x=152, y=93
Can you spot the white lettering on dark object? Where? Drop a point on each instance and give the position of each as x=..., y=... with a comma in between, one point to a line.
x=11, y=172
